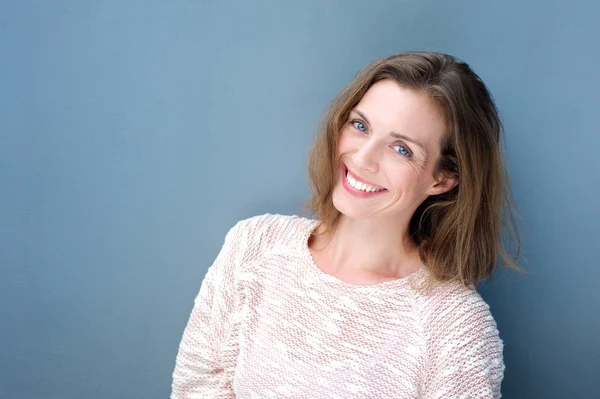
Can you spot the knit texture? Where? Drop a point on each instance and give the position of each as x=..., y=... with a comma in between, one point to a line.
x=268, y=323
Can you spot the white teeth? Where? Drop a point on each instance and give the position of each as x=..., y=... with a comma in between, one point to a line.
x=359, y=185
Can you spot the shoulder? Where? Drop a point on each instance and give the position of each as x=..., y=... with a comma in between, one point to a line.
x=454, y=317
x=464, y=349
x=451, y=308
x=453, y=300
x=259, y=234
x=271, y=223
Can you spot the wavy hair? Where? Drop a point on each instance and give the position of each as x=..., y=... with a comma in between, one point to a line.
x=459, y=233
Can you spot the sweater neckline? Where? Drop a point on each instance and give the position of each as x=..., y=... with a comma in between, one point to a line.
x=399, y=284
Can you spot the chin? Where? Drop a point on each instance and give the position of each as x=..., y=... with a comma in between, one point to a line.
x=347, y=208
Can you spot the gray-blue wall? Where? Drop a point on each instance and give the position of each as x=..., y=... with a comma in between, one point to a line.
x=133, y=134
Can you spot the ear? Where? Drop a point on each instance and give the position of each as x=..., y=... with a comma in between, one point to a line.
x=441, y=186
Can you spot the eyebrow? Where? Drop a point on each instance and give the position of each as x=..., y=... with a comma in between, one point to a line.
x=396, y=135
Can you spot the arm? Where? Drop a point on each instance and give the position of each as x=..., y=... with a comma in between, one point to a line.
x=465, y=352
x=201, y=364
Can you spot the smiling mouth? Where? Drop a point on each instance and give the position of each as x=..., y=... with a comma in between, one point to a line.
x=360, y=186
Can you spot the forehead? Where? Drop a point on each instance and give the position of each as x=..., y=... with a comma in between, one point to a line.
x=392, y=108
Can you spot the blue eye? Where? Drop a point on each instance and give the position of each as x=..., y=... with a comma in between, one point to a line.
x=359, y=125
x=403, y=150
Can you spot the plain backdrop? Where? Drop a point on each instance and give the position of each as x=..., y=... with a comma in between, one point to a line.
x=135, y=133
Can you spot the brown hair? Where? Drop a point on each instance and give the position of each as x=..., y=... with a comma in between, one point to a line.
x=459, y=232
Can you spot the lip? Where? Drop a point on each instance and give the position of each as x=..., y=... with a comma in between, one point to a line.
x=360, y=179
x=355, y=192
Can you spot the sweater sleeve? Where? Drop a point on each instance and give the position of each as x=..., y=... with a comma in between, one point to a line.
x=204, y=364
x=465, y=350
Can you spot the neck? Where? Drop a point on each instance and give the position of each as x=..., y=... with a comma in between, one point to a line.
x=370, y=247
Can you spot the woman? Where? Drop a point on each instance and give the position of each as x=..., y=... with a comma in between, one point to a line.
x=376, y=297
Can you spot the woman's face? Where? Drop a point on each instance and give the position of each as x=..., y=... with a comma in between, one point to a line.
x=387, y=151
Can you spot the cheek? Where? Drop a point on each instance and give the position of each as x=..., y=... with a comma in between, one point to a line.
x=342, y=143
x=402, y=177
x=347, y=143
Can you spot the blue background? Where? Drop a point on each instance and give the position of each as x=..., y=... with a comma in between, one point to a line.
x=134, y=134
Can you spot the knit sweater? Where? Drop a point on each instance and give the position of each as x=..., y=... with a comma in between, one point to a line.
x=268, y=323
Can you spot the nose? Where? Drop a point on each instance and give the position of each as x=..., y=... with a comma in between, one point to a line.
x=365, y=156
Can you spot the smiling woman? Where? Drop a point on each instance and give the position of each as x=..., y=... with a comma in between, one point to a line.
x=369, y=150
x=423, y=126
x=375, y=297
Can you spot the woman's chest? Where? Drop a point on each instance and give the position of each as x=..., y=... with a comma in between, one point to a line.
x=297, y=340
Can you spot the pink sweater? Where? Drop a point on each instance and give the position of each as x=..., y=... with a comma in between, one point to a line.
x=268, y=323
